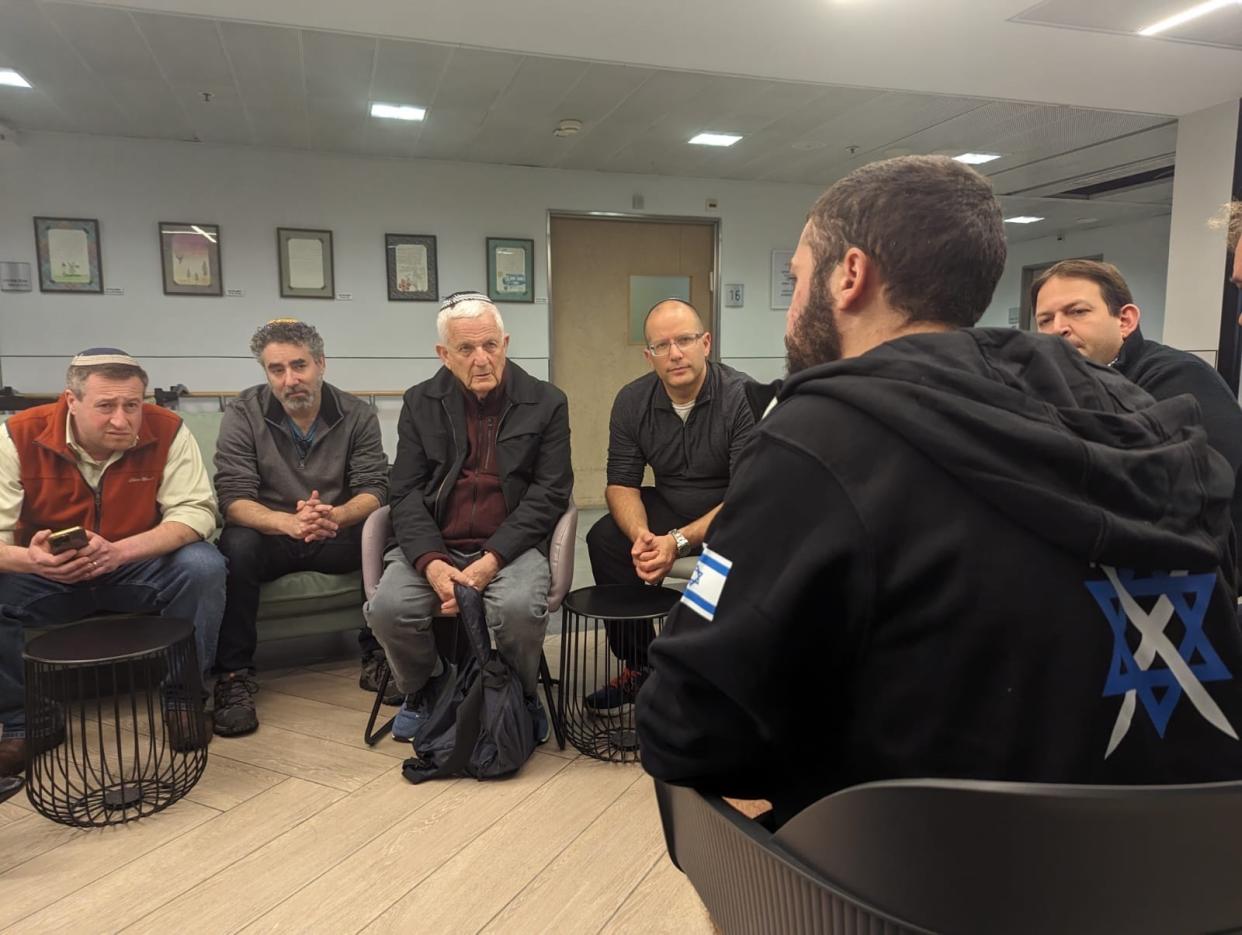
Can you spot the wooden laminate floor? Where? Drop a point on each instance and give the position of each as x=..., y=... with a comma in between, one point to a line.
x=302, y=828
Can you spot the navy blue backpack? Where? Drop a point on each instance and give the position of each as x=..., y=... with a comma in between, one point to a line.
x=479, y=724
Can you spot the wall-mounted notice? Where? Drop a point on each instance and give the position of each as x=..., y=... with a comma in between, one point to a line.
x=735, y=294
x=782, y=282
x=15, y=277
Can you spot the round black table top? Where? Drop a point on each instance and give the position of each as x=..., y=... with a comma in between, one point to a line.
x=622, y=601
x=111, y=639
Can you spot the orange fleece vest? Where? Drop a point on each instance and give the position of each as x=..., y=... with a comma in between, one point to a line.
x=57, y=496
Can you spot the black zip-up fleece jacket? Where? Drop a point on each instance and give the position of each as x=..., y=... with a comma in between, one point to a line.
x=1165, y=372
x=938, y=559
x=532, y=450
x=256, y=458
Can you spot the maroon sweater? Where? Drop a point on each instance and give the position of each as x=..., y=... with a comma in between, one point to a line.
x=476, y=504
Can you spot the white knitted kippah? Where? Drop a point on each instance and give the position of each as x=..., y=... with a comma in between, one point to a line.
x=96, y=356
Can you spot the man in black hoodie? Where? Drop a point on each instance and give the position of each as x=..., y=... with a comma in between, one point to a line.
x=997, y=559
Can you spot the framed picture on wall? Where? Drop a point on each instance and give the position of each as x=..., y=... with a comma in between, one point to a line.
x=412, y=273
x=190, y=257
x=306, y=270
x=510, y=269
x=68, y=253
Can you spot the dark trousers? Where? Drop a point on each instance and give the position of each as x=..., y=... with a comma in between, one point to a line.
x=255, y=558
x=611, y=563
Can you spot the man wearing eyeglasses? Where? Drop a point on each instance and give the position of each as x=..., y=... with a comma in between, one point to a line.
x=481, y=479
x=688, y=419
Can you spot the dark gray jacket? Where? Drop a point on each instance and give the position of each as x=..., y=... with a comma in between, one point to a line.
x=692, y=460
x=532, y=452
x=256, y=458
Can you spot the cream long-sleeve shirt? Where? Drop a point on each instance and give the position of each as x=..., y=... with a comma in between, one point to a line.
x=184, y=496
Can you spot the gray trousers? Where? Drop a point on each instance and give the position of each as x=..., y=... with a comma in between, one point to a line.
x=516, y=604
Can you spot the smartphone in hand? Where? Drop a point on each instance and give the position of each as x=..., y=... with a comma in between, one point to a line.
x=64, y=539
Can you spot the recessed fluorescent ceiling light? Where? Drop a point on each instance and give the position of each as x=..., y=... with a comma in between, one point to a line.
x=1022, y=219
x=10, y=77
x=976, y=159
x=398, y=111
x=715, y=139
x=1199, y=9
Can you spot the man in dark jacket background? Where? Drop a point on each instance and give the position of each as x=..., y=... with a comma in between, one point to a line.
x=300, y=465
x=1089, y=304
x=481, y=479
x=996, y=559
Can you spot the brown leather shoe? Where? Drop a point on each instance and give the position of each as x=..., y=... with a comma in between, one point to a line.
x=12, y=757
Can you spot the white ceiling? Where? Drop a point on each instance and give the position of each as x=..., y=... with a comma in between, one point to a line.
x=1126, y=17
x=955, y=47
x=105, y=68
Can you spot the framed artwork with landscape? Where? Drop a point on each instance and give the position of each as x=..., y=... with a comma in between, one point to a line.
x=190, y=258
x=68, y=253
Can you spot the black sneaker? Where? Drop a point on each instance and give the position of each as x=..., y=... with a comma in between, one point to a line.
x=234, y=712
x=617, y=697
x=188, y=727
x=373, y=665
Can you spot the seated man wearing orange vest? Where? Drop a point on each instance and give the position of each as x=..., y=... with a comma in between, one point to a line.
x=130, y=474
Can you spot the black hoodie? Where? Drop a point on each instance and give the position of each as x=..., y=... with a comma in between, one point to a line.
x=922, y=567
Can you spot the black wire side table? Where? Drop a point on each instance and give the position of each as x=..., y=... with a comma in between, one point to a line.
x=605, y=631
x=115, y=728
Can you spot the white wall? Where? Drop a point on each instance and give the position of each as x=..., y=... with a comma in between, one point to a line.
x=1140, y=250
x=1202, y=182
x=372, y=344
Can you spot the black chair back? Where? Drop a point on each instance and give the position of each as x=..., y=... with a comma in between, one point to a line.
x=970, y=856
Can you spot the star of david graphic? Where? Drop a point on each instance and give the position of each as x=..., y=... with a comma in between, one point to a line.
x=696, y=577
x=1185, y=666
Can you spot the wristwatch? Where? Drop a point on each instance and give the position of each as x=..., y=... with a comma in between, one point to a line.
x=683, y=544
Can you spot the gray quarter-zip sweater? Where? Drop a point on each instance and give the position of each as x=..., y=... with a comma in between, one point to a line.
x=256, y=458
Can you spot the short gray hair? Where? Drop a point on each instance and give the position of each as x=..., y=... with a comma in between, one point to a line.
x=287, y=331
x=465, y=305
x=76, y=376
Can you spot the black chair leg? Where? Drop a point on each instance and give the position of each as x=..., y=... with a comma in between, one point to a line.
x=545, y=676
x=372, y=737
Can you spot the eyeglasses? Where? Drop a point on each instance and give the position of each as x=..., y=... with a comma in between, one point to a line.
x=683, y=341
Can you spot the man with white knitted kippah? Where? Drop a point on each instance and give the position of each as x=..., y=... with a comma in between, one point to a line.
x=130, y=475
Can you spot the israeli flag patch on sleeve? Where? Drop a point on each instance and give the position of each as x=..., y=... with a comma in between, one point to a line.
x=703, y=592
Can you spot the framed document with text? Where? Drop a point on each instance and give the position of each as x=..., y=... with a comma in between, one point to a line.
x=412, y=274
x=305, y=263
x=510, y=269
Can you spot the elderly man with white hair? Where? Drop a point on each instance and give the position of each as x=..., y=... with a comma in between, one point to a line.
x=481, y=478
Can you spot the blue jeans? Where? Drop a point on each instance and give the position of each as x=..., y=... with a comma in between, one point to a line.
x=187, y=584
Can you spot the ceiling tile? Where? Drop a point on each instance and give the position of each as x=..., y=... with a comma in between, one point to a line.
x=106, y=39
x=187, y=48
x=267, y=63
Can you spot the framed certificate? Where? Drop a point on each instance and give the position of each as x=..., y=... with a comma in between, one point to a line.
x=306, y=270
x=412, y=274
x=510, y=269
x=190, y=257
x=68, y=253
